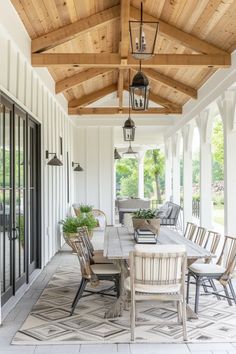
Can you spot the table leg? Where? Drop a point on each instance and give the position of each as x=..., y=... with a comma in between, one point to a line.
x=122, y=302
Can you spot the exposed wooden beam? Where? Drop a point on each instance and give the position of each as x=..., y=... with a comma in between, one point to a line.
x=169, y=82
x=113, y=60
x=124, y=45
x=163, y=101
x=124, y=18
x=188, y=40
x=92, y=97
x=182, y=60
x=120, y=87
x=69, y=32
x=77, y=79
x=124, y=110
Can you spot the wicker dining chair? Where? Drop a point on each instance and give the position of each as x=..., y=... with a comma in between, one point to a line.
x=200, y=236
x=211, y=243
x=190, y=230
x=96, y=256
x=157, y=272
x=92, y=273
x=222, y=271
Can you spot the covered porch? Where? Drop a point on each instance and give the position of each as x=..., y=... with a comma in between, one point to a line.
x=65, y=78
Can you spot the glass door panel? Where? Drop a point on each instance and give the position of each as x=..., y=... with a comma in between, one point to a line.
x=6, y=243
x=19, y=198
x=19, y=214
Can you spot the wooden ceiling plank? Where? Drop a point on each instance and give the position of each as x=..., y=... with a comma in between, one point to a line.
x=125, y=14
x=92, y=97
x=79, y=78
x=169, y=82
x=69, y=32
x=124, y=110
x=184, y=38
x=112, y=60
x=124, y=45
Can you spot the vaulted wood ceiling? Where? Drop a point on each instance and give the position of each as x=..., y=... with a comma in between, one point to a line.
x=85, y=46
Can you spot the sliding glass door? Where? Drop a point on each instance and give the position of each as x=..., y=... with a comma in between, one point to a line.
x=19, y=224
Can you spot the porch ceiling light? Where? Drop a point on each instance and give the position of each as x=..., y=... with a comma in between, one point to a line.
x=143, y=35
x=129, y=130
x=54, y=161
x=116, y=154
x=130, y=152
x=139, y=92
x=129, y=126
x=78, y=168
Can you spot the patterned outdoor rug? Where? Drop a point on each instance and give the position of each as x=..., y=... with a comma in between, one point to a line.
x=49, y=321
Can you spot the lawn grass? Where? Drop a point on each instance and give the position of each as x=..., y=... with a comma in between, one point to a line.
x=218, y=214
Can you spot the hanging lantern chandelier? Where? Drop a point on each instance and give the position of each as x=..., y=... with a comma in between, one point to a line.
x=129, y=126
x=143, y=36
x=139, y=91
x=130, y=152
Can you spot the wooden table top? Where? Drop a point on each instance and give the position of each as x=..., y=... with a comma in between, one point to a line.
x=118, y=242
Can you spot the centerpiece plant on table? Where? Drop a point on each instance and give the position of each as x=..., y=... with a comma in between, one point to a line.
x=146, y=219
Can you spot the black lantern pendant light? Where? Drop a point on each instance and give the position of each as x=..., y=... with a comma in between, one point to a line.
x=143, y=36
x=78, y=168
x=130, y=152
x=54, y=161
x=139, y=91
x=116, y=154
x=129, y=126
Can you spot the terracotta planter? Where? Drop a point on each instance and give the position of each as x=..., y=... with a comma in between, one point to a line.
x=147, y=224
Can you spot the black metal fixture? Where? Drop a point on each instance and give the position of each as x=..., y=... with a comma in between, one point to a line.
x=116, y=154
x=130, y=151
x=129, y=126
x=54, y=161
x=139, y=91
x=78, y=168
x=143, y=35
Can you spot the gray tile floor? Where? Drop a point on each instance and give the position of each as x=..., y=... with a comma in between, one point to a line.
x=21, y=310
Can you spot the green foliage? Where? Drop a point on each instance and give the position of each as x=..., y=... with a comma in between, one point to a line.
x=144, y=214
x=154, y=174
x=129, y=185
x=85, y=208
x=196, y=168
x=196, y=197
x=87, y=220
x=218, y=199
x=127, y=177
x=218, y=150
x=70, y=225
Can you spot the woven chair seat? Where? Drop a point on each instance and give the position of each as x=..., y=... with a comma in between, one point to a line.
x=153, y=289
x=106, y=269
x=202, y=268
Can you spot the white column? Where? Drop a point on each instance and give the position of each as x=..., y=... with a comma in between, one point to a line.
x=187, y=133
x=168, y=170
x=141, y=175
x=204, y=123
x=227, y=106
x=176, y=168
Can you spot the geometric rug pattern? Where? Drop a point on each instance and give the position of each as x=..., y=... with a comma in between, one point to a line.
x=49, y=321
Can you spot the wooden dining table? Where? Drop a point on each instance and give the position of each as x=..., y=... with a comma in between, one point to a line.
x=119, y=242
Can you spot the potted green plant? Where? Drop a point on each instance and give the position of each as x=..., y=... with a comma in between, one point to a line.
x=69, y=226
x=87, y=220
x=146, y=219
x=85, y=209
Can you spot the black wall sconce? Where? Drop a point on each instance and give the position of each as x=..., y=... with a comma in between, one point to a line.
x=78, y=168
x=54, y=161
